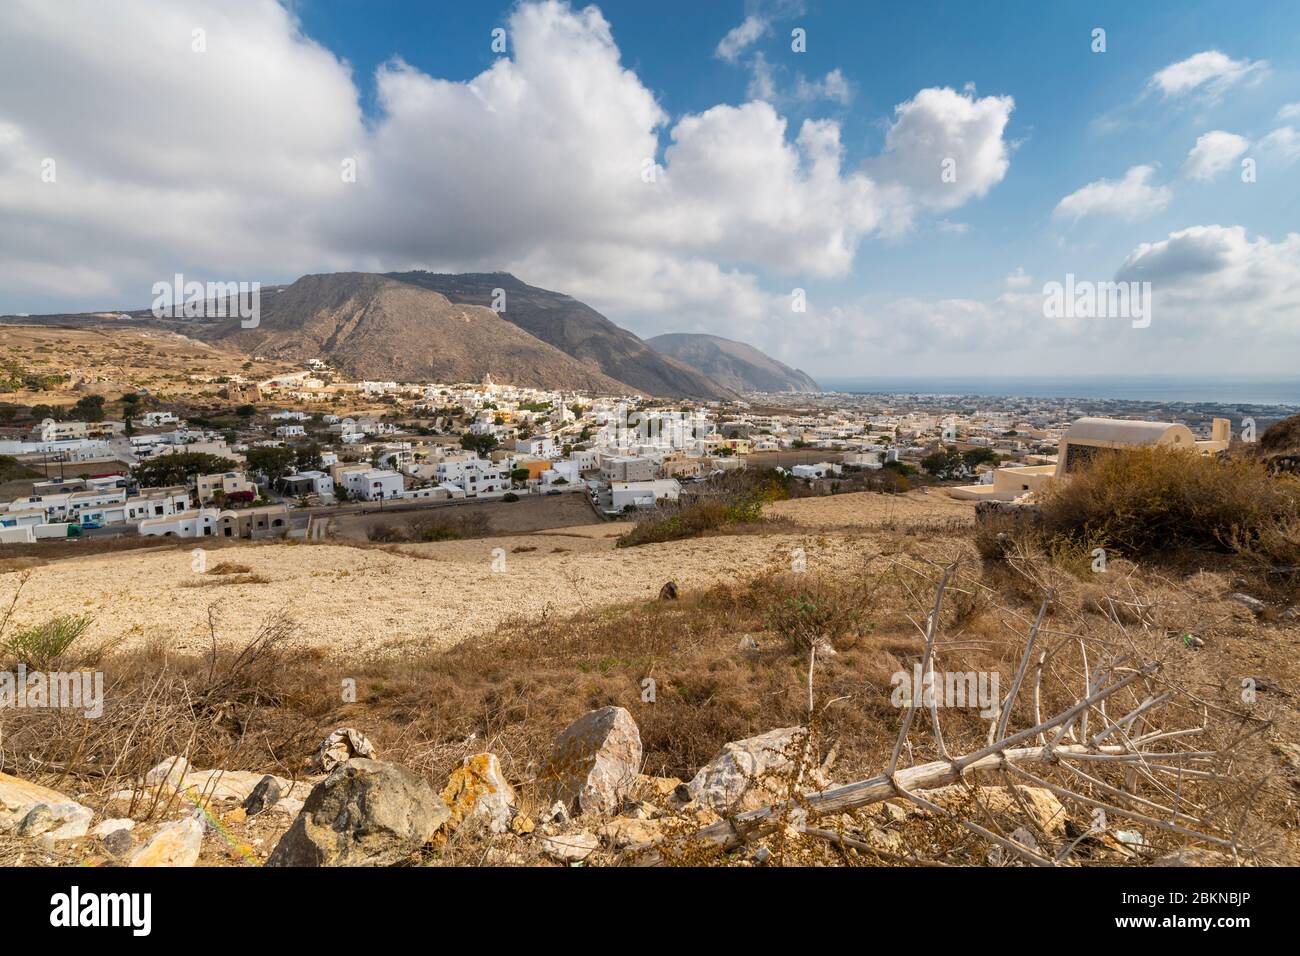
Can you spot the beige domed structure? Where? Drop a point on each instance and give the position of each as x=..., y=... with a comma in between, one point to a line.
x=1084, y=440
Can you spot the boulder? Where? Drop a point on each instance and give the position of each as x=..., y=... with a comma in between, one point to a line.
x=750, y=773
x=365, y=813
x=1047, y=811
x=570, y=847
x=595, y=762
x=19, y=797
x=117, y=842
x=479, y=795
x=171, y=771
x=175, y=844
x=266, y=794
x=106, y=827
x=343, y=744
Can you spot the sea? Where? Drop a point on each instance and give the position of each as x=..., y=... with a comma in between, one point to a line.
x=1191, y=390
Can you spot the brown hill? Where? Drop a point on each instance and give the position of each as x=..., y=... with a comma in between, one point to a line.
x=578, y=330
x=370, y=326
x=731, y=364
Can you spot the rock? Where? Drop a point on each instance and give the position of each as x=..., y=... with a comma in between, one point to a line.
x=623, y=832
x=1047, y=811
x=558, y=814
x=266, y=794
x=640, y=810
x=668, y=592
x=595, y=762
x=175, y=844
x=570, y=847
x=40, y=819
x=117, y=842
x=1193, y=856
x=750, y=773
x=106, y=827
x=656, y=788
x=522, y=824
x=171, y=771
x=343, y=744
x=479, y=795
x=18, y=797
x=365, y=813
x=65, y=820
x=1254, y=604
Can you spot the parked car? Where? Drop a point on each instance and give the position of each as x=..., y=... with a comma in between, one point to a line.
x=91, y=525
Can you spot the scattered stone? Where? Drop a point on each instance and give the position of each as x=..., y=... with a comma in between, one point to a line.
x=660, y=788
x=343, y=744
x=624, y=832
x=117, y=842
x=668, y=592
x=595, y=762
x=640, y=810
x=570, y=847
x=1047, y=811
x=750, y=773
x=171, y=771
x=175, y=844
x=558, y=814
x=266, y=794
x=1291, y=613
x=365, y=813
x=522, y=824
x=66, y=820
x=479, y=795
x=1193, y=856
x=106, y=827
x=1254, y=604
x=17, y=797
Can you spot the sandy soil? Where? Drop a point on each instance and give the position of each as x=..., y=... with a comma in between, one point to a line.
x=369, y=601
x=872, y=510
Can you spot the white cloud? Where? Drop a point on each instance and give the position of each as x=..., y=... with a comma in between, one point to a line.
x=1289, y=112
x=1209, y=73
x=1216, y=278
x=938, y=130
x=1213, y=153
x=231, y=166
x=1282, y=144
x=1130, y=198
x=1019, y=279
x=742, y=37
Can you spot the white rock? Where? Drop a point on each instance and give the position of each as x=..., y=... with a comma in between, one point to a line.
x=105, y=827
x=175, y=844
x=595, y=761
x=749, y=773
x=570, y=847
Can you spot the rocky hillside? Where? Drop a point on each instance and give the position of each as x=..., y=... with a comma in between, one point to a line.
x=735, y=365
x=578, y=330
x=369, y=326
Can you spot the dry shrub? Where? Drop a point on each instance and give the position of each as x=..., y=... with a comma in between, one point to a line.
x=437, y=527
x=817, y=611
x=1149, y=501
x=731, y=503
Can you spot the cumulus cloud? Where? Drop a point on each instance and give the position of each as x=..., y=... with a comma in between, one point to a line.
x=1283, y=145
x=1209, y=74
x=1289, y=112
x=556, y=163
x=742, y=37
x=1217, y=277
x=1130, y=198
x=942, y=131
x=1213, y=153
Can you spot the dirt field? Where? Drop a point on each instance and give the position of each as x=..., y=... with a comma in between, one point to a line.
x=529, y=513
x=367, y=600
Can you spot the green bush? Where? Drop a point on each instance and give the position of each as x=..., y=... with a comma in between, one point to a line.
x=45, y=644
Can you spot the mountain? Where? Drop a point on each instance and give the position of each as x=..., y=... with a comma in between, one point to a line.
x=578, y=330
x=734, y=365
x=372, y=327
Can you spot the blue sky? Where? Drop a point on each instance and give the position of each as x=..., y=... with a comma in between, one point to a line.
x=528, y=161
